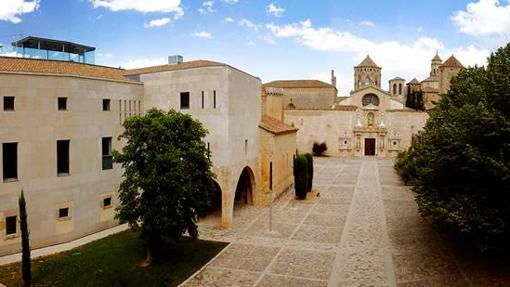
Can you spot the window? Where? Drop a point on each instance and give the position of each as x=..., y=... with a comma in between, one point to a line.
x=106, y=146
x=62, y=104
x=185, y=101
x=63, y=212
x=245, y=146
x=10, y=225
x=400, y=89
x=10, y=161
x=8, y=103
x=202, y=99
x=106, y=104
x=107, y=202
x=63, y=157
x=370, y=99
x=214, y=99
x=394, y=89
x=271, y=175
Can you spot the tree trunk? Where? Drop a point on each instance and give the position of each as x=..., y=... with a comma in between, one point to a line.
x=149, y=258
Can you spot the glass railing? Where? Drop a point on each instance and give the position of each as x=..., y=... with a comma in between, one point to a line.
x=88, y=58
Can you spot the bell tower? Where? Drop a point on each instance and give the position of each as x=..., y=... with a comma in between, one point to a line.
x=367, y=73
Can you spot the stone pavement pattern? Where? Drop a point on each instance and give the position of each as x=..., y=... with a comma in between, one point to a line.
x=363, y=230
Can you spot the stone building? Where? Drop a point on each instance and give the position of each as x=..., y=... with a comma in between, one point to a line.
x=304, y=94
x=59, y=122
x=439, y=79
x=62, y=116
x=370, y=121
x=227, y=101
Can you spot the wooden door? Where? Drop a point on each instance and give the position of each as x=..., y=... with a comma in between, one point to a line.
x=370, y=147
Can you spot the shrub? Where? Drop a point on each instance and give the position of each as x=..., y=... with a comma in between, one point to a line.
x=301, y=176
x=309, y=159
x=319, y=148
x=460, y=166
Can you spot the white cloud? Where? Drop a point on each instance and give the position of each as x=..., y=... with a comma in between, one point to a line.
x=157, y=23
x=11, y=10
x=274, y=10
x=249, y=24
x=142, y=63
x=228, y=20
x=202, y=34
x=207, y=7
x=230, y=2
x=367, y=23
x=484, y=18
x=144, y=6
x=269, y=40
x=407, y=60
x=105, y=55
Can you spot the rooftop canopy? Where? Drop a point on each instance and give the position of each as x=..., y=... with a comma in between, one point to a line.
x=42, y=48
x=52, y=45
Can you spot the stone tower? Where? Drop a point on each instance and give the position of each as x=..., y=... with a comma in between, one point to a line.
x=434, y=66
x=447, y=70
x=397, y=87
x=367, y=73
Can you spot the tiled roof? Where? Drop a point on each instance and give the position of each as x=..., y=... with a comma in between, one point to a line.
x=368, y=62
x=174, y=67
x=275, y=126
x=414, y=82
x=38, y=66
x=298, y=84
x=452, y=62
x=397, y=79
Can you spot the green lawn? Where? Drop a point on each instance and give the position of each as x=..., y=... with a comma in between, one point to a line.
x=114, y=261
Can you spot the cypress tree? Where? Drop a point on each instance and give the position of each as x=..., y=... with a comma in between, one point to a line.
x=25, y=242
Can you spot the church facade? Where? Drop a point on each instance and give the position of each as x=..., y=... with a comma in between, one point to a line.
x=370, y=121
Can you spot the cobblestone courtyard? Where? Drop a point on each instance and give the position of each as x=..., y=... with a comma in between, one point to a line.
x=363, y=230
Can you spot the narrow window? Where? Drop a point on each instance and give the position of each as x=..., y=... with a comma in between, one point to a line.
x=394, y=89
x=63, y=157
x=10, y=161
x=106, y=104
x=63, y=212
x=8, y=103
x=271, y=175
x=245, y=147
x=120, y=111
x=10, y=225
x=400, y=89
x=62, y=104
x=106, y=144
x=107, y=202
x=202, y=99
x=139, y=107
x=185, y=101
x=214, y=99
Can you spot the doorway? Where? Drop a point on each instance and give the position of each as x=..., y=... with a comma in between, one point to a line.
x=370, y=147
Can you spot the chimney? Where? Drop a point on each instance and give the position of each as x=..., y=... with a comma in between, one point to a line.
x=175, y=59
x=333, y=78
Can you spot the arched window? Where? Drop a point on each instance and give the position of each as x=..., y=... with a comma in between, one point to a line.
x=400, y=89
x=370, y=99
x=394, y=89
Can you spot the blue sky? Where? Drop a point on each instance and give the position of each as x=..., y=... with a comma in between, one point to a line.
x=285, y=39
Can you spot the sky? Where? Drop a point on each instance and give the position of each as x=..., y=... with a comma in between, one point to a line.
x=284, y=39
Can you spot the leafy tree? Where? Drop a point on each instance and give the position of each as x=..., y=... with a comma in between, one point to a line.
x=301, y=176
x=414, y=100
x=167, y=179
x=25, y=241
x=460, y=165
x=309, y=159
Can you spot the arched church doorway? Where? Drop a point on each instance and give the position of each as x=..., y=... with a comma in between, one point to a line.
x=245, y=187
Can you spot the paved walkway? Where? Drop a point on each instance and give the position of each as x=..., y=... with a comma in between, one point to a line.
x=363, y=230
